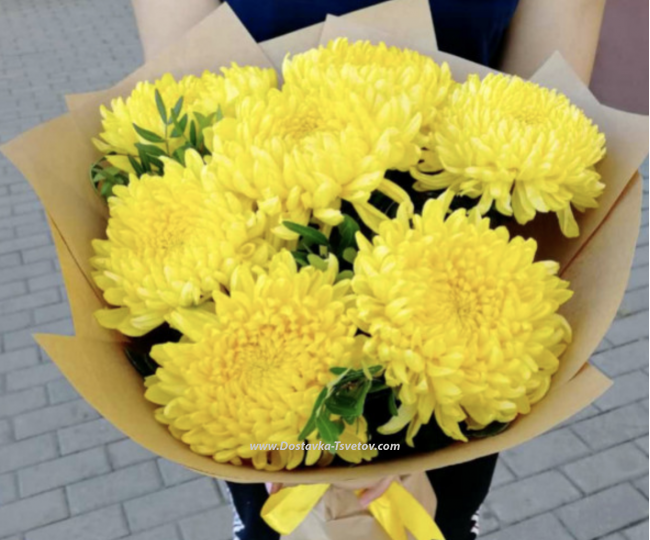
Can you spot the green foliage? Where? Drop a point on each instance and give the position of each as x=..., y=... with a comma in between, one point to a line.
x=309, y=234
x=341, y=402
x=104, y=177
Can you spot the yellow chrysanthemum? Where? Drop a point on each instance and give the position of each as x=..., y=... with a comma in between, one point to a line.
x=300, y=155
x=171, y=243
x=464, y=321
x=516, y=144
x=203, y=95
x=253, y=370
x=378, y=75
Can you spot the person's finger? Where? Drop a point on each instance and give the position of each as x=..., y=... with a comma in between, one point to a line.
x=273, y=487
x=376, y=491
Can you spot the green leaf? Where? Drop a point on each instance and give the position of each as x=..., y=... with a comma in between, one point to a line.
x=347, y=230
x=339, y=370
x=311, y=422
x=346, y=274
x=308, y=233
x=150, y=149
x=177, y=108
x=179, y=154
x=300, y=257
x=162, y=110
x=148, y=135
x=179, y=127
x=392, y=404
x=329, y=431
x=350, y=254
x=488, y=431
x=144, y=160
x=377, y=386
x=193, y=137
x=139, y=171
x=142, y=362
x=106, y=190
x=219, y=114
x=317, y=262
x=342, y=404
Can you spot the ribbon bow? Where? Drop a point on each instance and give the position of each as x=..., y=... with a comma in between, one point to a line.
x=396, y=511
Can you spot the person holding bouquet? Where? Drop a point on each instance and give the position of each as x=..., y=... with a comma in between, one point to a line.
x=512, y=35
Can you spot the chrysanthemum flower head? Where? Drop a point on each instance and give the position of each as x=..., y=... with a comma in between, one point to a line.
x=300, y=155
x=463, y=319
x=205, y=95
x=171, y=243
x=253, y=370
x=379, y=76
x=523, y=147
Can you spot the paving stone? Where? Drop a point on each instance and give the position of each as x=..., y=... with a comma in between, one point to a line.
x=16, y=360
x=638, y=532
x=34, y=512
x=171, y=504
x=642, y=485
x=30, y=301
x=127, y=452
x=544, y=527
x=612, y=466
x=633, y=302
x=87, y=435
x=15, y=403
x=54, y=312
x=29, y=452
x=214, y=524
x=487, y=520
x=62, y=471
x=166, y=532
x=623, y=359
x=502, y=475
x=173, y=473
x=6, y=432
x=545, y=452
x=32, y=376
x=25, y=271
x=15, y=321
x=61, y=391
x=8, y=489
x=638, y=278
x=613, y=427
x=532, y=496
x=604, y=512
x=23, y=338
x=642, y=443
x=627, y=389
x=641, y=257
x=112, y=488
x=52, y=418
x=45, y=282
x=105, y=524
x=10, y=290
x=629, y=328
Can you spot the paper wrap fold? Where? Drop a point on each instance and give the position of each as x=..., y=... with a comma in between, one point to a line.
x=55, y=158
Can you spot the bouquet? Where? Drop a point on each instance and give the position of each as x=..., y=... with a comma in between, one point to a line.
x=391, y=261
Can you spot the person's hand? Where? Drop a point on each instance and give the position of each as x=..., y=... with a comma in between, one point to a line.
x=371, y=491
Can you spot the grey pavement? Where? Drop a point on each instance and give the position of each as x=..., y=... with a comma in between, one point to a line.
x=66, y=474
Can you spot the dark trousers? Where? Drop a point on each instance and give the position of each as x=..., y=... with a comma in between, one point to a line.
x=460, y=490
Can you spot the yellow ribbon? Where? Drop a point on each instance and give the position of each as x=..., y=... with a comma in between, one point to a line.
x=396, y=511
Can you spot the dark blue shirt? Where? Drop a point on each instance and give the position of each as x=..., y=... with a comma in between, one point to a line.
x=473, y=29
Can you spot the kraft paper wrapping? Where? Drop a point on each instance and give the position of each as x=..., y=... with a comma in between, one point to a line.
x=339, y=515
x=55, y=158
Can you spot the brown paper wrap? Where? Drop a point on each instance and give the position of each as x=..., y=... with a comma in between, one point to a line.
x=55, y=158
x=339, y=515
